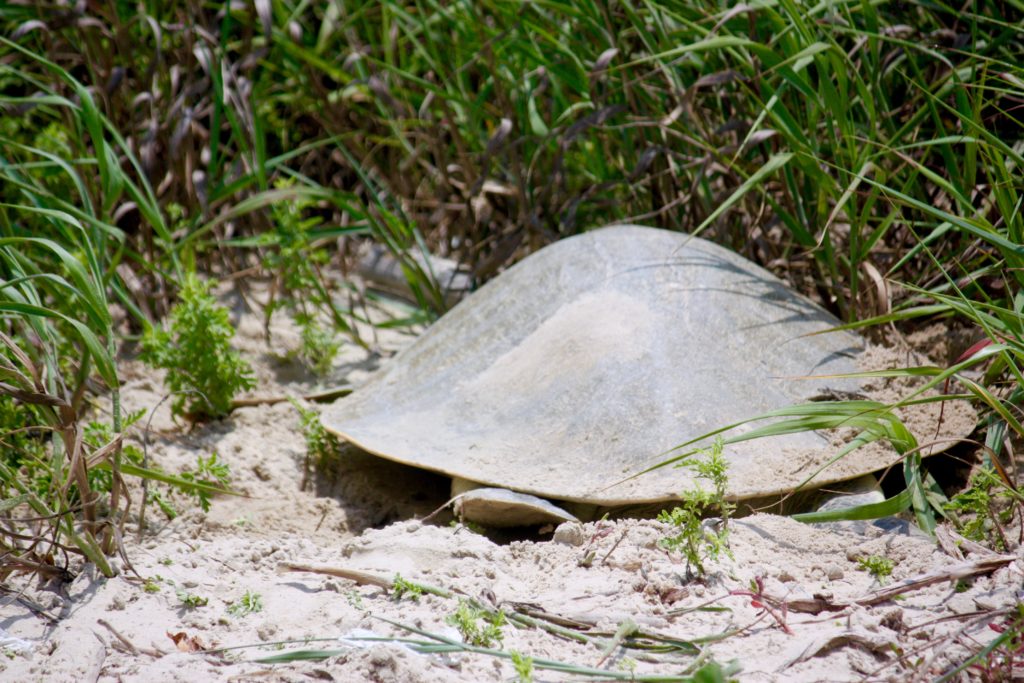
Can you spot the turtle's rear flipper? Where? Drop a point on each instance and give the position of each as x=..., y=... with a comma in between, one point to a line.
x=498, y=508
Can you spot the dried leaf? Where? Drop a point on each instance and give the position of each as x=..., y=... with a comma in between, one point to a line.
x=185, y=642
x=603, y=60
x=498, y=139
x=760, y=136
x=28, y=27
x=263, y=11
x=717, y=78
x=596, y=118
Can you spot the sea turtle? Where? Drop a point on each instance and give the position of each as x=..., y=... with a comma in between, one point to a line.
x=578, y=366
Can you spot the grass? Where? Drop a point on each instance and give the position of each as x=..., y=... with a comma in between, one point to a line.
x=480, y=632
x=870, y=154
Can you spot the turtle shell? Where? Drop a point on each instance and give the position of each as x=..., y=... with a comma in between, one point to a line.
x=585, y=362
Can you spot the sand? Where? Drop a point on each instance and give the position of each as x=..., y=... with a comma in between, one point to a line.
x=817, y=616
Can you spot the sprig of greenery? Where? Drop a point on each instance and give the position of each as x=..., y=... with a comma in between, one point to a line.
x=203, y=371
x=878, y=566
x=400, y=588
x=190, y=600
x=477, y=627
x=249, y=603
x=984, y=508
x=692, y=537
x=211, y=471
x=523, y=666
x=321, y=445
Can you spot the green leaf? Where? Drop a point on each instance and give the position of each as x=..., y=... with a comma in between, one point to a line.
x=887, y=508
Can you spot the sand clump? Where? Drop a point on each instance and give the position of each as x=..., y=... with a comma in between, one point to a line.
x=362, y=514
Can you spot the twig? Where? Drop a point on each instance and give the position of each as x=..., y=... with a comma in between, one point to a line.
x=28, y=602
x=360, y=577
x=117, y=634
x=954, y=572
x=99, y=656
x=444, y=644
x=537, y=612
x=315, y=397
x=551, y=627
x=620, y=539
x=127, y=643
x=535, y=619
x=975, y=618
x=777, y=608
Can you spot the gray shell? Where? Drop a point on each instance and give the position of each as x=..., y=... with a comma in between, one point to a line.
x=582, y=364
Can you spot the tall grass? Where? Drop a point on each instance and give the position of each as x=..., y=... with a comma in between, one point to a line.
x=868, y=131
x=57, y=250
x=59, y=253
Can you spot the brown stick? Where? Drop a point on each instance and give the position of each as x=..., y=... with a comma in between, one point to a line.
x=951, y=573
x=362, y=578
x=315, y=397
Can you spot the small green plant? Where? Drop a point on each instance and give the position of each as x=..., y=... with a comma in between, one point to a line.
x=467, y=525
x=400, y=588
x=982, y=509
x=249, y=602
x=152, y=584
x=302, y=290
x=210, y=475
x=878, y=566
x=692, y=538
x=477, y=627
x=321, y=445
x=211, y=470
x=355, y=600
x=203, y=371
x=158, y=499
x=319, y=346
x=523, y=666
x=191, y=600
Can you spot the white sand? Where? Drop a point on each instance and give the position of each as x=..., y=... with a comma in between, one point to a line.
x=358, y=517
